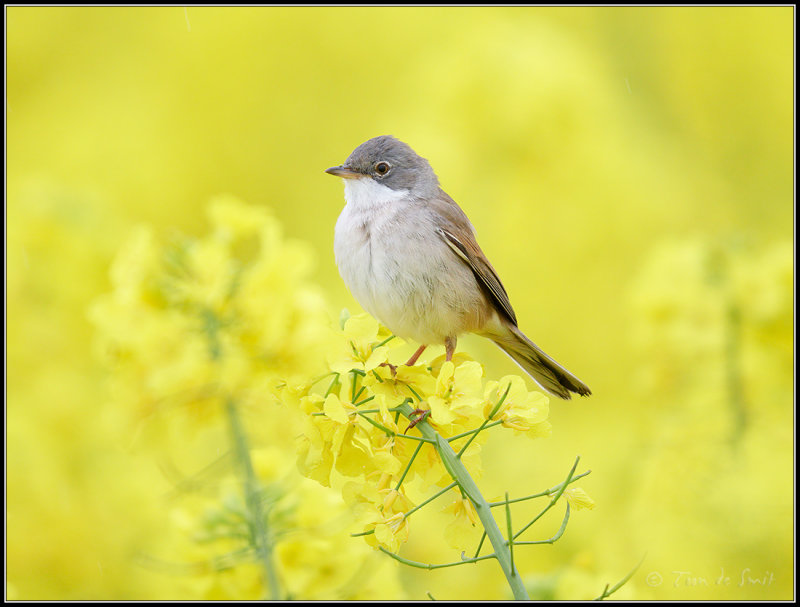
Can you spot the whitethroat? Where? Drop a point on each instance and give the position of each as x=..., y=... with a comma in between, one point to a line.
x=408, y=254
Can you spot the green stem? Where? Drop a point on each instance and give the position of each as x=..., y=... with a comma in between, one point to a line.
x=547, y=493
x=510, y=531
x=387, y=430
x=480, y=544
x=455, y=437
x=734, y=371
x=259, y=534
x=553, y=539
x=361, y=402
x=553, y=500
x=430, y=566
x=408, y=467
x=459, y=473
x=414, y=509
x=607, y=592
x=384, y=342
x=333, y=383
x=430, y=499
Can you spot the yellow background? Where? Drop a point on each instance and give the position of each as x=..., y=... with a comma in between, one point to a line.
x=597, y=151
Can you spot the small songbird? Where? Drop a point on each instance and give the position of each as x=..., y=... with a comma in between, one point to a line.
x=408, y=254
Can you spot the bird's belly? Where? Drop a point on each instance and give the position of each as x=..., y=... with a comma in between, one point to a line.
x=408, y=279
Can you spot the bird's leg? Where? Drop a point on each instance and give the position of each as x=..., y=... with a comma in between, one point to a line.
x=419, y=414
x=416, y=355
x=450, y=346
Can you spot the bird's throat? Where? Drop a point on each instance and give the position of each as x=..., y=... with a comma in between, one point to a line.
x=366, y=193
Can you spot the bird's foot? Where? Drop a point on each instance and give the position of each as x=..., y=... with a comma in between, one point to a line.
x=392, y=368
x=417, y=415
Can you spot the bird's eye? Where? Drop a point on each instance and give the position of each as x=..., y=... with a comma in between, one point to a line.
x=381, y=168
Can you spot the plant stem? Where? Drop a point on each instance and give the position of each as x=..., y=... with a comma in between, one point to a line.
x=431, y=566
x=459, y=473
x=553, y=500
x=259, y=534
x=607, y=592
x=547, y=493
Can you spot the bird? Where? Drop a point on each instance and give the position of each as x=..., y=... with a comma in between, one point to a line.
x=409, y=255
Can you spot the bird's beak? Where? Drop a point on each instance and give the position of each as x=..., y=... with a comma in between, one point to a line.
x=344, y=172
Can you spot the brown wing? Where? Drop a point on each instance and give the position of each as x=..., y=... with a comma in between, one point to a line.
x=466, y=247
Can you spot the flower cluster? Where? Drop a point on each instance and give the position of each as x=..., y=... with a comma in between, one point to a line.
x=194, y=319
x=197, y=333
x=361, y=429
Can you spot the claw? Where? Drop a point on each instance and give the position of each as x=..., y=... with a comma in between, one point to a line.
x=422, y=413
x=392, y=368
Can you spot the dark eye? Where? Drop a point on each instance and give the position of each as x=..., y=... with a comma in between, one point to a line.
x=381, y=168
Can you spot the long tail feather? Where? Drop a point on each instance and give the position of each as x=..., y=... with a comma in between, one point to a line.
x=544, y=370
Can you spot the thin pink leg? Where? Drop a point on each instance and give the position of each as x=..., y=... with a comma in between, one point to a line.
x=450, y=346
x=416, y=355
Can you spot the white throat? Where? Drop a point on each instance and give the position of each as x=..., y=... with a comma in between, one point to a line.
x=365, y=193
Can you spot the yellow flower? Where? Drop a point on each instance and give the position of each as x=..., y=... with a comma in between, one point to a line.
x=314, y=456
x=458, y=358
x=352, y=450
x=457, y=395
x=404, y=383
x=461, y=530
x=385, y=459
x=384, y=416
x=338, y=435
x=338, y=411
x=376, y=495
x=521, y=410
x=359, y=349
x=289, y=393
x=579, y=499
x=390, y=532
x=361, y=496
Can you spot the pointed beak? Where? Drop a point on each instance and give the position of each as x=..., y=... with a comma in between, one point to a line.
x=344, y=172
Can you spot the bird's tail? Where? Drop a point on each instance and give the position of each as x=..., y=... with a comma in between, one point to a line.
x=544, y=370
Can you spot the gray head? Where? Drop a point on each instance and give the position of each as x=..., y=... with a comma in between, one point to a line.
x=391, y=163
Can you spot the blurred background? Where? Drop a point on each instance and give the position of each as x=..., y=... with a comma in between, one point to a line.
x=629, y=172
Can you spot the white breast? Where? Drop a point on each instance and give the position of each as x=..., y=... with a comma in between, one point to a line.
x=396, y=265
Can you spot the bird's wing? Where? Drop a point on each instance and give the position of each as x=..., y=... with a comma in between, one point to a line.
x=466, y=248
